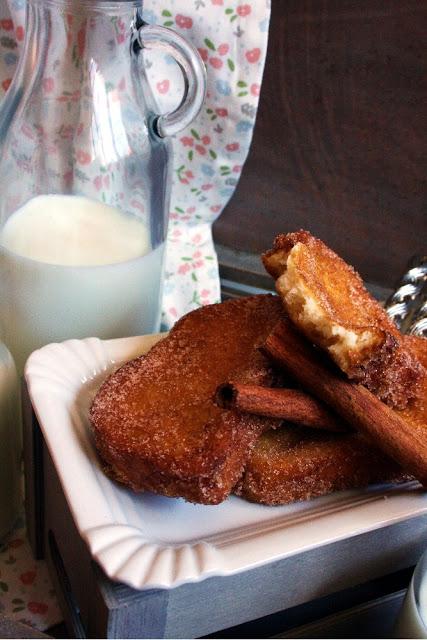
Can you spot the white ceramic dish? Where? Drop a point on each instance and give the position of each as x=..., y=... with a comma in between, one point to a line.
x=149, y=541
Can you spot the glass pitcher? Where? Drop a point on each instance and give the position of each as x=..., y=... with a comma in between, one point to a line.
x=85, y=166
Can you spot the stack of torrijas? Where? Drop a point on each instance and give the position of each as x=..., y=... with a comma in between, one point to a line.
x=279, y=398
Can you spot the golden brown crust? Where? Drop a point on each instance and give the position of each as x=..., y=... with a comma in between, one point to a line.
x=416, y=410
x=293, y=463
x=326, y=299
x=154, y=420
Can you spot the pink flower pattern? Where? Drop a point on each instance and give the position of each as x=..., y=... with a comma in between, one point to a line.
x=26, y=593
x=231, y=36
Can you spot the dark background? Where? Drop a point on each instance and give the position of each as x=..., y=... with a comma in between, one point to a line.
x=340, y=140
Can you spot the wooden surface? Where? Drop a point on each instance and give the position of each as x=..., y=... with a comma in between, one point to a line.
x=94, y=606
x=375, y=619
x=340, y=140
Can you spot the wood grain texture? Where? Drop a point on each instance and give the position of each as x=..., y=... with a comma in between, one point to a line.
x=93, y=606
x=340, y=141
x=111, y=610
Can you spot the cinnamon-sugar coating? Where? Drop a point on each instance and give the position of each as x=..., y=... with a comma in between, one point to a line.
x=293, y=463
x=326, y=299
x=154, y=420
x=416, y=410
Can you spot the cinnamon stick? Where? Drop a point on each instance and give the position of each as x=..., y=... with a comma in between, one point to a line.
x=353, y=402
x=288, y=404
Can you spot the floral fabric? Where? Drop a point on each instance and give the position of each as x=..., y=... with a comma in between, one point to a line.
x=208, y=158
x=231, y=36
x=26, y=593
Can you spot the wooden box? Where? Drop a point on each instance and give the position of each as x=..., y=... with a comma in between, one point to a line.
x=94, y=606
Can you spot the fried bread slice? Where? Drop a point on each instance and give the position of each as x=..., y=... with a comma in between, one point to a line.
x=327, y=301
x=416, y=410
x=295, y=463
x=154, y=420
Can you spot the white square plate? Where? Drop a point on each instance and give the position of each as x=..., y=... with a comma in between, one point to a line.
x=148, y=541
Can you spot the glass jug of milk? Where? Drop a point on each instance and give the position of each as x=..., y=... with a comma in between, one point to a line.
x=85, y=166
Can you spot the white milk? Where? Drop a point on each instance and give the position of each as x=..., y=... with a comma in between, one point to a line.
x=71, y=267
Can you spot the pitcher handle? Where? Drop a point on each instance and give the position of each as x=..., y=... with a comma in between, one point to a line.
x=152, y=36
